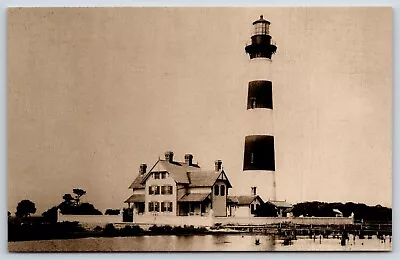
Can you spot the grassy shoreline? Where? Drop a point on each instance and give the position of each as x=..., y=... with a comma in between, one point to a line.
x=74, y=230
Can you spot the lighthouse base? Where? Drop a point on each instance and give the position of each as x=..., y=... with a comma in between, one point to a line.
x=264, y=181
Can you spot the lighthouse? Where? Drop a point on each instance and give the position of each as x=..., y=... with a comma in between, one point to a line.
x=259, y=142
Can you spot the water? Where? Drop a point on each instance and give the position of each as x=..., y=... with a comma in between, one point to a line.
x=195, y=243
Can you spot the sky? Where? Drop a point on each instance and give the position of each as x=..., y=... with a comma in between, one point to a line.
x=95, y=92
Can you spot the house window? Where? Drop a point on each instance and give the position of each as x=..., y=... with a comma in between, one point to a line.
x=151, y=206
x=166, y=189
x=156, y=175
x=157, y=190
x=166, y=206
x=216, y=190
x=252, y=208
x=151, y=190
x=157, y=206
x=169, y=189
x=222, y=190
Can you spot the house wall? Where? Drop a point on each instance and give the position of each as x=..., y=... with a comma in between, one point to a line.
x=197, y=221
x=245, y=210
x=200, y=190
x=256, y=204
x=218, y=201
x=275, y=220
x=138, y=191
x=180, y=191
x=196, y=206
x=91, y=219
x=242, y=211
x=161, y=197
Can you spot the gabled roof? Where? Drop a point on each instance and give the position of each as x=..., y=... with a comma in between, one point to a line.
x=194, y=197
x=206, y=178
x=182, y=173
x=175, y=169
x=135, y=198
x=136, y=184
x=232, y=200
x=243, y=200
x=281, y=204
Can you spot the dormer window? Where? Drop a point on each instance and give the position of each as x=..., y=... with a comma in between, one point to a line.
x=156, y=175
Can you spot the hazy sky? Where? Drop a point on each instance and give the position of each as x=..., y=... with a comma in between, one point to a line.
x=92, y=93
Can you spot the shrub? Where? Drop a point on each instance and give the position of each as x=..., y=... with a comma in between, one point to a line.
x=130, y=230
x=98, y=228
x=109, y=230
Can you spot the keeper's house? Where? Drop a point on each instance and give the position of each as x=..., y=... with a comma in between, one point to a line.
x=180, y=189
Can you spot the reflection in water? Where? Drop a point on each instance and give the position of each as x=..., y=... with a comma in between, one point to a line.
x=195, y=243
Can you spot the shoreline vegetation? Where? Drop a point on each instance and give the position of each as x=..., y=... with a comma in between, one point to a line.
x=287, y=232
x=368, y=221
x=72, y=230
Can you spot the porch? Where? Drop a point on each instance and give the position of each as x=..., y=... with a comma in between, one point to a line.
x=194, y=204
x=137, y=202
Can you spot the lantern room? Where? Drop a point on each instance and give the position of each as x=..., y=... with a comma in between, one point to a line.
x=261, y=26
x=261, y=45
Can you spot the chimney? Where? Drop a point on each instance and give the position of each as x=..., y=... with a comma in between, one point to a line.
x=189, y=159
x=169, y=156
x=254, y=191
x=143, y=168
x=218, y=165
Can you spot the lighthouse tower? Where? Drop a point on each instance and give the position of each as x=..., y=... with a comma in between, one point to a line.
x=259, y=143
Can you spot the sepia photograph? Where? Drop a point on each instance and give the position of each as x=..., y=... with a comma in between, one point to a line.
x=192, y=129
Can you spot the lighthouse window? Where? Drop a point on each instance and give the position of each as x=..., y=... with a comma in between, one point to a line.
x=253, y=103
x=259, y=153
x=260, y=94
x=261, y=28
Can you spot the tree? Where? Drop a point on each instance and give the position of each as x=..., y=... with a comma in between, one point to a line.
x=87, y=209
x=68, y=198
x=51, y=214
x=112, y=212
x=25, y=208
x=266, y=210
x=79, y=193
x=360, y=210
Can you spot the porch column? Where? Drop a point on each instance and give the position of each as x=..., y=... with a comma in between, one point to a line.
x=201, y=213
